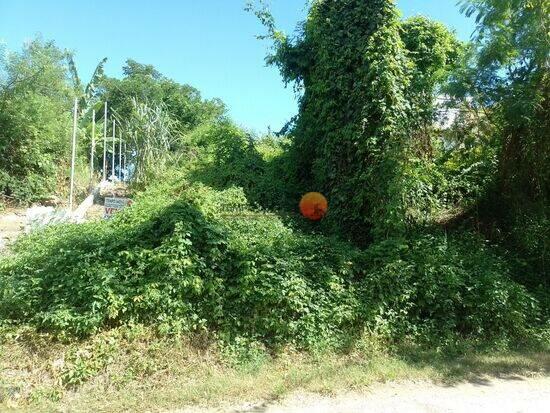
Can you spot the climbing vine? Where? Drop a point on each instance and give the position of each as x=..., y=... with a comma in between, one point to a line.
x=361, y=90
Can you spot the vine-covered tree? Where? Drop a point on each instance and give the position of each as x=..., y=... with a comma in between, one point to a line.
x=363, y=94
x=435, y=53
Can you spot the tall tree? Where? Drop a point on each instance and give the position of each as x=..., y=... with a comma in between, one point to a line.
x=435, y=52
x=362, y=91
x=35, y=102
x=510, y=74
x=144, y=83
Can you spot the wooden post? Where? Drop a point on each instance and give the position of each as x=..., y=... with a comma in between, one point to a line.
x=105, y=143
x=114, y=149
x=92, y=153
x=73, y=156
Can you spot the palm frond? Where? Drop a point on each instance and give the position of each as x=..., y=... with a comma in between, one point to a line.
x=77, y=84
x=97, y=76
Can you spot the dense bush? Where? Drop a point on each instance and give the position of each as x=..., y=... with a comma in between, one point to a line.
x=188, y=258
x=198, y=252
x=506, y=77
x=37, y=90
x=224, y=155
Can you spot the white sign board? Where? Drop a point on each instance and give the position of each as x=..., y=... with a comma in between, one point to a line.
x=113, y=205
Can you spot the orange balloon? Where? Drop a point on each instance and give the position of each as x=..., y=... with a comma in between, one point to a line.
x=313, y=206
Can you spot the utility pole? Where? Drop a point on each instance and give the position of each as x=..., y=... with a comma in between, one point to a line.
x=105, y=143
x=93, y=148
x=73, y=155
x=114, y=149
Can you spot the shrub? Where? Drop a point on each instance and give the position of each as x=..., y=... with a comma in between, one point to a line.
x=433, y=287
x=225, y=156
x=189, y=258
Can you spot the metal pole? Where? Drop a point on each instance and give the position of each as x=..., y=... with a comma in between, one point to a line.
x=114, y=149
x=93, y=148
x=105, y=143
x=124, y=158
x=120, y=155
x=73, y=155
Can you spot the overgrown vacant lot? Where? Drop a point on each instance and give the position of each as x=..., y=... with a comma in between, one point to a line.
x=192, y=296
x=431, y=262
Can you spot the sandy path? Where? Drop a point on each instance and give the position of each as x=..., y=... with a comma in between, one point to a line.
x=511, y=395
x=11, y=225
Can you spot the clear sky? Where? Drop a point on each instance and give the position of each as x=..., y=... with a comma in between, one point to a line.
x=209, y=44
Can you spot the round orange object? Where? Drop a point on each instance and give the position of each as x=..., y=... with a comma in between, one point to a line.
x=313, y=206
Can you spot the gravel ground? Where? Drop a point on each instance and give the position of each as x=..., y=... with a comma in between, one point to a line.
x=512, y=395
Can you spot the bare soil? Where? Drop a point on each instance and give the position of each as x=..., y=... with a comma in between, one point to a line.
x=513, y=394
x=12, y=223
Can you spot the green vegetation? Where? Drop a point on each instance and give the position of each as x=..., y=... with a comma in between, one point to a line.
x=35, y=97
x=364, y=132
x=37, y=90
x=435, y=245
x=145, y=83
x=509, y=78
x=132, y=369
x=207, y=261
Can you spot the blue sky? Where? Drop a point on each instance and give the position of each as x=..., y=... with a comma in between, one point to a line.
x=209, y=44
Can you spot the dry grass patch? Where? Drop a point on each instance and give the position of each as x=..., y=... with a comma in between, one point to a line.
x=133, y=370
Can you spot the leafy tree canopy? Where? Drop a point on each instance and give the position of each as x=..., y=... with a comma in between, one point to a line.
x=146, y=84
x=35, y=98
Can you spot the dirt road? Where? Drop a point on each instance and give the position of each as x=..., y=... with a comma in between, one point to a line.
x=517, y=394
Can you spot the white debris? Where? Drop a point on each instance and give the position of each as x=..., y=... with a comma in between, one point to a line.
x=40, y=216
x=80, y=213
